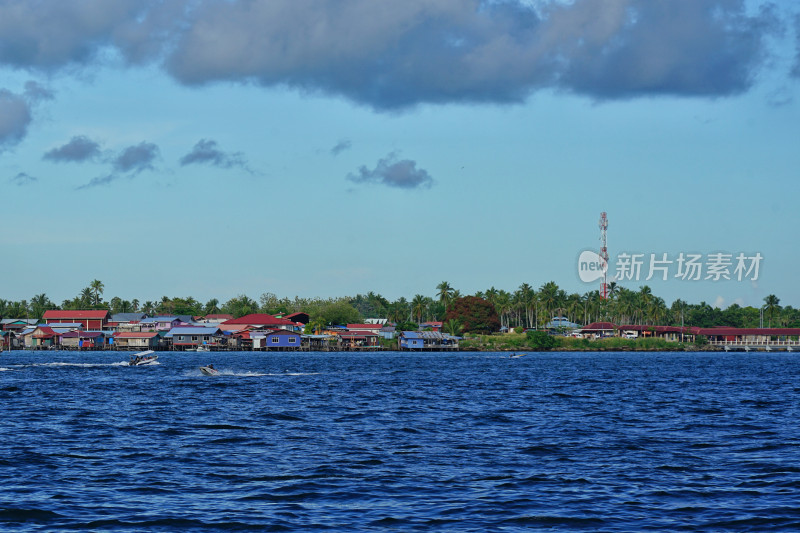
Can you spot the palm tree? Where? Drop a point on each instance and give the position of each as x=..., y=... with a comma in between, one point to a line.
x=445, y=293
x=453, y=327
x=86, y=297
x=39, y=304
x=149, y=308
x=771, y=305
x=645, y=296
x=212, y=306
x=548, y=297
x=418, y=305
x=97, y=288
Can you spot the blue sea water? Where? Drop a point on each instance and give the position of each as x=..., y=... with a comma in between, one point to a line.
x=400, y=442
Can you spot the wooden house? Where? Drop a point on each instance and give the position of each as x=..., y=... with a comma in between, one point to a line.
x=91, y=319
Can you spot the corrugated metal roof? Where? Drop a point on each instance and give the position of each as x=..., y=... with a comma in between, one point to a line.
x=127, y=317
x=77, y=314
x=259, y=319
x=192, y=331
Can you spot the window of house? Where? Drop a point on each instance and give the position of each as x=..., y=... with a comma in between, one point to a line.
x=194, y=337
x=275, y=340
x=292, y=340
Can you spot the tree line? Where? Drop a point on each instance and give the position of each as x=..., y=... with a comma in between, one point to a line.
x=525, y=307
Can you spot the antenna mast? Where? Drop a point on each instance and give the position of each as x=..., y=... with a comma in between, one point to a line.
x=604, y=254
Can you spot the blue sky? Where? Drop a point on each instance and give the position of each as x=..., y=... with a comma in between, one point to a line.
x=212, y=148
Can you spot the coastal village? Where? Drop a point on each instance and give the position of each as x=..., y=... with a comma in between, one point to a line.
x=100, y=330
x=93, y=329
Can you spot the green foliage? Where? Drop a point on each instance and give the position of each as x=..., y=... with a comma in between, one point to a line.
x=452, y=327
x=476, y=315
x=700, y=340
x=540, y=340
x=338, y=313
x=407, y=326
x=240, y=306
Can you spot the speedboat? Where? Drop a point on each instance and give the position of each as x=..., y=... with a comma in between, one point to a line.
x=209, y=370
x=147, y=357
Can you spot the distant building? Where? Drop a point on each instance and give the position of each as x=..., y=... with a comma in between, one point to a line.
x=184, y=338
x=258, y=320
x=140, y=340
x=90, y=319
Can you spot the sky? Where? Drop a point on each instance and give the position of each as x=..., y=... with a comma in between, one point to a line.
x=212, y=148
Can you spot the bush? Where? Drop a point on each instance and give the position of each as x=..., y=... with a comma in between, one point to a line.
x=540, y=340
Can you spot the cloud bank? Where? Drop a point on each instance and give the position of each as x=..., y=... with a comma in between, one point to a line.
x=23, y=178
x=129, y=163
x=393, y=55
x=136, y=159
x=389, y=171
x=341, y=146
x=79, y=149
x=15, y=116
x=206, y=152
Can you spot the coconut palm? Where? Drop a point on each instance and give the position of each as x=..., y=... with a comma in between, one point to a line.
x=771, y=305
x=418, y=307
x=452, y=327
x=97, y=288
x=445, y=293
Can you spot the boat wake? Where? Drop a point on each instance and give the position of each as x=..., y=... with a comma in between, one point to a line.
x=249, y=374
x=81, y=365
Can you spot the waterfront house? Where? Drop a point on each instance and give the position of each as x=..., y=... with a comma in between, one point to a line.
x=17, y=325
x=138, y=340
x=431, y=325
x=189, y=337
x=411, y=340
x=82, y=340
x=366, y=328
x=260, y=321
x=160, y=323
x=40, y=337
x=279, y=339
x=64, y=327
x=358, y=339
x=427, y=340
x=214, y=319
x=91, y=319
x=387, y=332
x=125, y=321
x=299, y=318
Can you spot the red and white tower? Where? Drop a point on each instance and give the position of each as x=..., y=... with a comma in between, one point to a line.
x=604, y=254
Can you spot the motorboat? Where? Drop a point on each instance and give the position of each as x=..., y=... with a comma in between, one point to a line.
x=209, y=370
x=147, y=357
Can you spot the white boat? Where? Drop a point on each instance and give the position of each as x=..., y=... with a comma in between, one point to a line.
x=209, y=370
x=203, y=348
x=515, y=355
x=143, y=358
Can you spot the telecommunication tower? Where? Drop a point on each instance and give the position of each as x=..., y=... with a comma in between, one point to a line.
x=604, y=254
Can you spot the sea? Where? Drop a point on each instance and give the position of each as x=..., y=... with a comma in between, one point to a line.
x=390, y=441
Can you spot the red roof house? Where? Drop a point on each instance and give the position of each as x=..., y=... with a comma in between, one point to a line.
x=90, y=318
